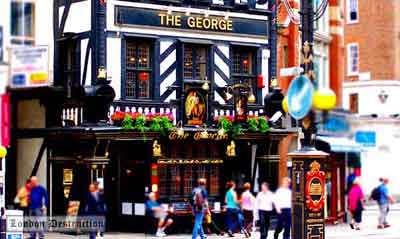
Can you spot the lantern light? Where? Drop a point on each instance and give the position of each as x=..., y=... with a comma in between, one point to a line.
x=252, y=98
x=324, y=99
x=245, y=62
x=3, y=151
x=143, y=76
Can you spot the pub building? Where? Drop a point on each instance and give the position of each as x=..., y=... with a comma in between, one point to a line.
x=180, y=59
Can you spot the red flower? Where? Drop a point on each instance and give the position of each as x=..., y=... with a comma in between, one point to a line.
x=118, y=115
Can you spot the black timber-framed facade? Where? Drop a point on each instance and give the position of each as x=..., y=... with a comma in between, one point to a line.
x=151, y=67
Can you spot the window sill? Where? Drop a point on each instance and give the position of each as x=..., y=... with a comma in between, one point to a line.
x=352, y=22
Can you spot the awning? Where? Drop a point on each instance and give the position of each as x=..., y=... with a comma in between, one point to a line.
x=341, y=144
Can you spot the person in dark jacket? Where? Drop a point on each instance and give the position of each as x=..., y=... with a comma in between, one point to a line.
x=96, y=207
x=38, y=202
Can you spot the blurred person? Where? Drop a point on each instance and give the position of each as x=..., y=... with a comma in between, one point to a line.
x=22, y=198
x=233, y=214
x=39, y=201
x=283, y=205
x=95, y=206
x=350, y=179
x=209, y=224
x=199, y=207
x=247, y=200
x=356, y=204
x=155, y=211
x=264, y=207
x=384, y=199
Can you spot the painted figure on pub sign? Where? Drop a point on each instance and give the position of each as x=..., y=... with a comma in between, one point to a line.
x=195, y=108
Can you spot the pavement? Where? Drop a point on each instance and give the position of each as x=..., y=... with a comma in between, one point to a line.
x=340, y=231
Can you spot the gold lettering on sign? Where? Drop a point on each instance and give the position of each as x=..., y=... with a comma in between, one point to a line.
x=170, y=20
x=315, y=189
x=191, y=22
x=200, y=23
x=214, y=24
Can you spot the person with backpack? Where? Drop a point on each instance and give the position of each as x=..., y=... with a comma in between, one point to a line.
x=384, y=198
x=199, y=207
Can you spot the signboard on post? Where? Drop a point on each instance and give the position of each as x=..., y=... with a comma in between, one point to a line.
x=29, y=67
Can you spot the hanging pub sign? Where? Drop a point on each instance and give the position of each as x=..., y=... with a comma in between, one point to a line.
x=195, y=108
x=315, y=187
x=240, y=100
x=180, y=20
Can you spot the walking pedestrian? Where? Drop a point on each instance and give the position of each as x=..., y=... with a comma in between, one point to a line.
x=384, y=199
x=199, y=207
x=95, y=207
x=22, y=198
x=233, y=214
x=247, y=200
x=356, y=204
x=283, y=205
x=156, y=212
x=39, y=201
x=264, y=206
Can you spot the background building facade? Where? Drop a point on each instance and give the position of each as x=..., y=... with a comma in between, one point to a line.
x=372, y=84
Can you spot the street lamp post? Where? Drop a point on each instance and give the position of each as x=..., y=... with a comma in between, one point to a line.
x=308, y=176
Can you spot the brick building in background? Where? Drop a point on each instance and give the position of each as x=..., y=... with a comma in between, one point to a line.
x=329, y=49
x=372, y=84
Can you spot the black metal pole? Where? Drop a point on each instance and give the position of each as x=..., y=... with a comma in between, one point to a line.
x=307, y=37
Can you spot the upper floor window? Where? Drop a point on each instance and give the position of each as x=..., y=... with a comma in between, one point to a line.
x=353, y=98
x=352, y=59
x=195, y=63
x=352, y=11
x=22, y=22
x=138, y=70
x=244, y=67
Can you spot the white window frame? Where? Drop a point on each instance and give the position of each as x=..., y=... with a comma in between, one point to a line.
x=348, y=12
x=350, y=71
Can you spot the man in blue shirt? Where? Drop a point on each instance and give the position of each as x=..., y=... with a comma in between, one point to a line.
x=38, y=203
x=156, y=211
x=199, y=207
x=383, y=202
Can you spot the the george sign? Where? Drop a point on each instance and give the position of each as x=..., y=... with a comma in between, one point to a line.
x=174, y=135
x=180, y=20
x=366, y=138
x=5, y=120
x=29, y=67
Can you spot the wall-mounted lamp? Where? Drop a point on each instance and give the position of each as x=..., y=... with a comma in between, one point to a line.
x=205, y=85
x=180, y=131
x=383, y=96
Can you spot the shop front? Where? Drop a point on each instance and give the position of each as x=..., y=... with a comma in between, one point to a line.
x=128, y=165
x=344, y=159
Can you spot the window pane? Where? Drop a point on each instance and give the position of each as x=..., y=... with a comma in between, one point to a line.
x=144, y=85
x=188, y=180
x=175, y=180
x=131, y=57
x=247, y=63
x=22, y=19
x=188, y=63
x=143, y=56
x=236, y=62
x=130, y=85
x=201, y=63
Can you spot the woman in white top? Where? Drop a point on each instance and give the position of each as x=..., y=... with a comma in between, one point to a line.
x=283, y=205
x=247, y=203
x=264, y=207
